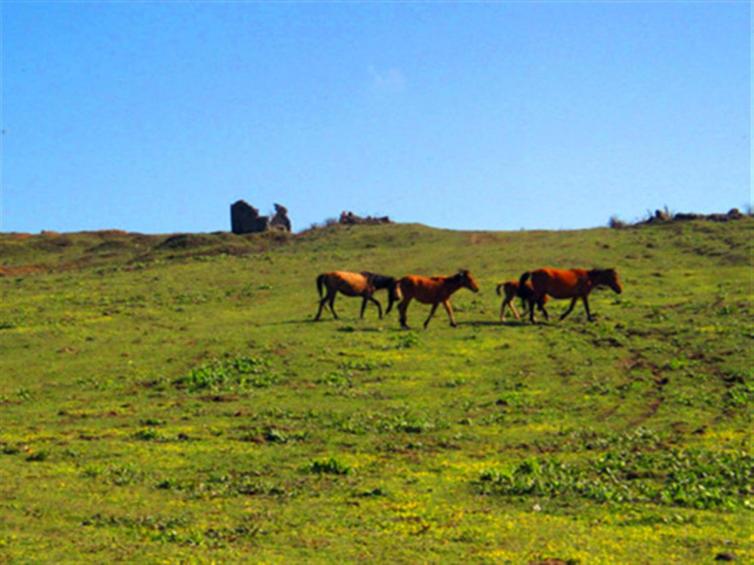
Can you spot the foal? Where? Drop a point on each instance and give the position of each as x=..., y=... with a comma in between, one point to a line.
x=434, y=291
x=568, y=283
x=512, y=289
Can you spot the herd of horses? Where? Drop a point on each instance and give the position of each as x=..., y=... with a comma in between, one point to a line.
x=534, y=288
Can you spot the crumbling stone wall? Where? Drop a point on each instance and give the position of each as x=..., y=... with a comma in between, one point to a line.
x=280, y=220
x=244, y=218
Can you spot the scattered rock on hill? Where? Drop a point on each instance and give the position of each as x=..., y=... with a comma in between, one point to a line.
x=663, y=216
x=349, y=218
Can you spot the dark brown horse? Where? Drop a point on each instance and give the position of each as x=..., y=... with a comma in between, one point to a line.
x=383, y=282
x=511, y=290
x=568, y=283
x=354, y=284
x=434, y=291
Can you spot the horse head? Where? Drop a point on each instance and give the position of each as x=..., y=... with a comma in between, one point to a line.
x=467, y=280
x=607, y=277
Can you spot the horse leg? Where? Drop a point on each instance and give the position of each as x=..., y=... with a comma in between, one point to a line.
x=570, y=308
x=541, y=306
x=531, y=310
x=449, y=310
x=512, y=306
x=376, y=303
x=331, y=304
x=363, y=307
x=524, y=304
x=431, y=313
x=402, y=307
x=321, y=306
x=389, y=306
x=390, y=301
x=502, y=309
x=586, y=306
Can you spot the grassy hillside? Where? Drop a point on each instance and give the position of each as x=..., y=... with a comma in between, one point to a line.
x=169, y=398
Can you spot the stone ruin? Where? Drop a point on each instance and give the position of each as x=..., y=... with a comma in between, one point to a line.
x=349, y=218
x=280, y=219
x=244, y=218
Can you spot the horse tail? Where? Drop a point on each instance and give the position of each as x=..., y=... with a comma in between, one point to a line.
x=320, y=283
x=498, y=287
x=522, y=284
x=400, y=288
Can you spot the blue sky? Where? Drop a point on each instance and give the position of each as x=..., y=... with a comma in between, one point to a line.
x=155, y=117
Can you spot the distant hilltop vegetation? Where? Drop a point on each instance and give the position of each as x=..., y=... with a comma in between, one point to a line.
x=24, y=253
x=665, y=215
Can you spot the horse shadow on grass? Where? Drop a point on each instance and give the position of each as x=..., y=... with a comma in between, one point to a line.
x=493, y=323
x=344, y=326
x=353, y=326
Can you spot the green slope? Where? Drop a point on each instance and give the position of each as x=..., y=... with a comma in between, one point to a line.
x=168, y=398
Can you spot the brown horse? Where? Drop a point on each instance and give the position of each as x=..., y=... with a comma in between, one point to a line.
x=353, y=284
x=568, y=283
x=511, y=290
x=434, y=291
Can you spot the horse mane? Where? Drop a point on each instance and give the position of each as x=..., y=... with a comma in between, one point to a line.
x=457, y=276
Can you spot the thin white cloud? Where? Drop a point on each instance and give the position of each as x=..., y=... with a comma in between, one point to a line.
x=387, y=80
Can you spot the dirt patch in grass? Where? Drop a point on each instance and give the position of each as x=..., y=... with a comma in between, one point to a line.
x=22, y=270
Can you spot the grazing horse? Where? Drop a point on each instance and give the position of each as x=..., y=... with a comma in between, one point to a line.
x=380, y=282
x=434, y=291
x=352, y=284
x=511, y=290
x=568, y=283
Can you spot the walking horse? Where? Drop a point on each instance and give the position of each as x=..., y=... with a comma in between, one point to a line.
x=567, y=283
x=434, y=291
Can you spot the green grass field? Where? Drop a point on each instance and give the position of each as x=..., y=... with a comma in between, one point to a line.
x=170, y=399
